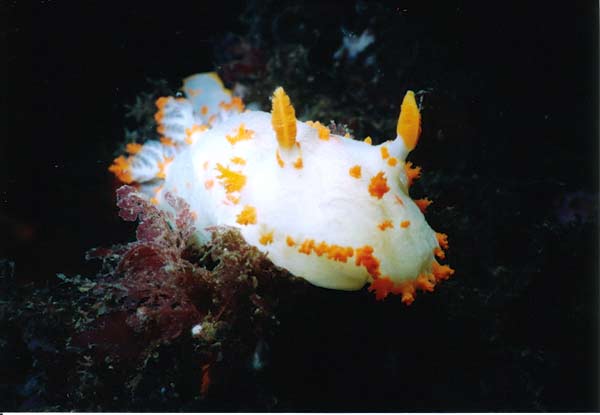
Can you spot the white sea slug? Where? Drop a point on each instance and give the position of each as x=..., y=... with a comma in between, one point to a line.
x=330, y=209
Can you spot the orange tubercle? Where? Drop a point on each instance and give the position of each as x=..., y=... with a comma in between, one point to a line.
x=423, y=204
x=382, y=286
x=385, y=153
x=439, y=253
x=355, y=171
x=368, y=140
x=241, y=135
x=233, y=181
x=378, y=185
x=247, y=216
x=160, y=104
x=425, y=282
x=235, y=103
x=167, y=141
x=298, y=163
x=412, y=173
x=332, y=252
x=407, y=290
x=266, y=238
x=441, y=272
x=339, y=253
x=290, y=241
x=133, y=148
x=238, y=160
x=322, y=131
x=321, y=248
x=392, y=162
x=120, y=168
x=442, y=239
x=307, y=246
x=365, y=257
x=405, y=224
x=385, y=224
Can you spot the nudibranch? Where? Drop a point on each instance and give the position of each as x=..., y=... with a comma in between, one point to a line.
x=330, y=209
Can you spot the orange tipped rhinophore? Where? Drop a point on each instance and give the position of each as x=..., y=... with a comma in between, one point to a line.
x=409, y=121
x=283, y=119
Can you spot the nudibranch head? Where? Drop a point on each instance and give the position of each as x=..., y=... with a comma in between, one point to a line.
x=327, y=208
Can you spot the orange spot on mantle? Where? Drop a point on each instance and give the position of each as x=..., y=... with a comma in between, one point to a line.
x=378, y=186
x=385, y=224
x=238, y=160
x=241, y=135
x=235, y=103
x=266, y=238
x=233, y=181
x=365, y=257
x=355, y=171
x=385, y=153
x=133, y=148
x=298, y=163
x=247, y=216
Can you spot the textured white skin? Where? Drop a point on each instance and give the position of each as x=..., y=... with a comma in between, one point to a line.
x=320, y=201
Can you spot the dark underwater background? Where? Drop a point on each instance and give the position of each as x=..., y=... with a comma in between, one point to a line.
x=509, y=150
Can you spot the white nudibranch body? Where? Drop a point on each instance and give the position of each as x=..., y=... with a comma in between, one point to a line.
x=330, y=209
